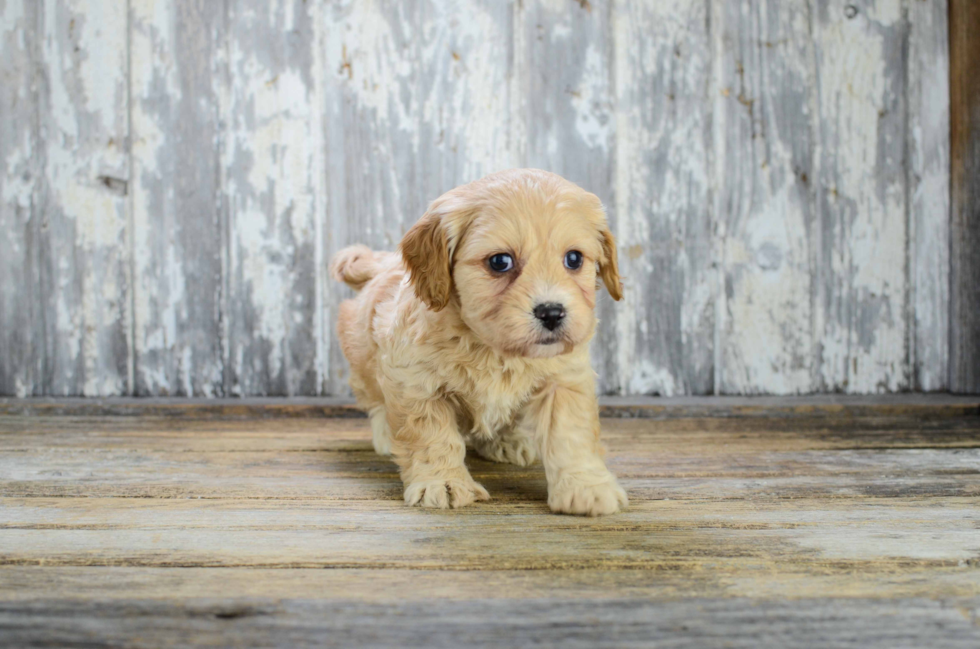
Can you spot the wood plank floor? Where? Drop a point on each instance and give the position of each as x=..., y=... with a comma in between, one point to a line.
x=784, y=525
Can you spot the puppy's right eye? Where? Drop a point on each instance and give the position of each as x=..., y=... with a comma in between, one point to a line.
x=501, y=262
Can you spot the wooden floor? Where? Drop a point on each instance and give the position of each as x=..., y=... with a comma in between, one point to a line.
x=786, y=525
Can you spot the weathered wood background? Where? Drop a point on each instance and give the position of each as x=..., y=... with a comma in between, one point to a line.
x=964, y=16
x=176, y=174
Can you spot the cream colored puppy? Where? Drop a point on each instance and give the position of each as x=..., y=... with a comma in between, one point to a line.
x=477, y=332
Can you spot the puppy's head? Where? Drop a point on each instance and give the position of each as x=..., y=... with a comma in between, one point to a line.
x=519, y=254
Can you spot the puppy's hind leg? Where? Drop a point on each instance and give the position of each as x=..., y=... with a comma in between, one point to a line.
x=380, y=432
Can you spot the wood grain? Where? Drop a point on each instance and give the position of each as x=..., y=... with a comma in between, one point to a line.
x=665, y=327
x=737, y=623
x=270, y=318
x=863, y=537
x=929, y=193
x=370, y=100
x=331, y=460
x=755, y=531
x=21, y=332
x=861, y=264
x=209, y=588
x=764, y=149
x=964, y=53
x=776, y=174
x=83, y=253
x=178, y=198
x=740, y=493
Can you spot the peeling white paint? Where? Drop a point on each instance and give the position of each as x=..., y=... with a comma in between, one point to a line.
x=21, y=389
x=761, y=177
x=869, y=269
x=646, y=378
x=362, y=47
x=767, y=346
x=175, y=333
x=725, y=273
x=465, y=82
x=269, y=165
x=661, y=186
x=17, y=187
x=561, y=32
x=85, y=58
x=321, y=328
x=885, y=12
x=13, y=17
x=591, y=102
x=154, y=310
x=151, y=38
x=929, y=193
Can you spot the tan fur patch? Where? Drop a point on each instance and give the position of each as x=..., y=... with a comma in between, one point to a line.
x=443, y=349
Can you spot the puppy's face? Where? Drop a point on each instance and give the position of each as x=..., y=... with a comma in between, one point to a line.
x=522, y=252
x=525, y=276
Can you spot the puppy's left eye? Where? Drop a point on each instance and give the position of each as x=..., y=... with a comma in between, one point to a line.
x=573, y=260
x=501, y=262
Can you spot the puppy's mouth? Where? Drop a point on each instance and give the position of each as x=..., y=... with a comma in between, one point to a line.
x=549, y=346
x=550, y=340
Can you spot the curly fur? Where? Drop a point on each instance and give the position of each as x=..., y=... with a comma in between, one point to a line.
x=445, y=352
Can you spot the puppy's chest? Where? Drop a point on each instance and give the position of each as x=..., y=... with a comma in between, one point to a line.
x=494, y=402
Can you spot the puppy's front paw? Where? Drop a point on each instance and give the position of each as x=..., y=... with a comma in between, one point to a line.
x=510, y=450
x=587, y=495
x=443, y=493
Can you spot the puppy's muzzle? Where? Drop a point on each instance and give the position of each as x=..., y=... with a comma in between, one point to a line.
x=550, y=315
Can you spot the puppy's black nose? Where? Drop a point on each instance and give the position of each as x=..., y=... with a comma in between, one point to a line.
x=550, y=315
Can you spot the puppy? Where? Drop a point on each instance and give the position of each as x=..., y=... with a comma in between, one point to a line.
x=477, y=333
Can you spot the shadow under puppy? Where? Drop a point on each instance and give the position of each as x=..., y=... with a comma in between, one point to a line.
x=477, y=332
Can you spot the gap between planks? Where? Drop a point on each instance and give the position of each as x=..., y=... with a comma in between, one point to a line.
x=897, y=405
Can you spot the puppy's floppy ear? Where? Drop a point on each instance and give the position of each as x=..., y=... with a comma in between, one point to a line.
x=609, y=265
x=608, y=259
x=429, y=245
x=425, y=249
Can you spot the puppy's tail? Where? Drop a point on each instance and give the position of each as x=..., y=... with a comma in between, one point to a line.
x=355, y=266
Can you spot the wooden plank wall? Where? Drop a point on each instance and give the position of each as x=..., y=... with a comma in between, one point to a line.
x=20, y=313
x=965, y=241
x=178, y=173
x=178, y=202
